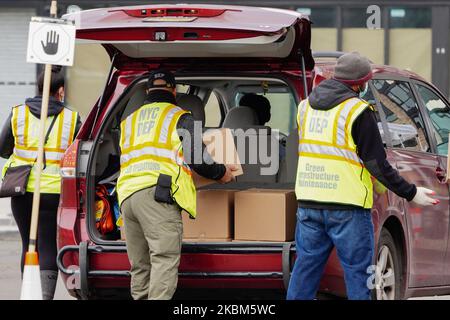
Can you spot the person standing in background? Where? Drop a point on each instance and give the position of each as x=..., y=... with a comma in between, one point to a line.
x=19, y=141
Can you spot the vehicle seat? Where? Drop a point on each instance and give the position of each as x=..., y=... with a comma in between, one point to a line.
x=194, y=104
x=240, y=117
x=246, y=119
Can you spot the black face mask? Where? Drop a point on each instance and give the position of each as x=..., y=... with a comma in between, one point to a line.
x=363, y=90
x=161, y=96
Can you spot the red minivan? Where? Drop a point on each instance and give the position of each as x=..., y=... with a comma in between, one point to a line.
x=218, y=54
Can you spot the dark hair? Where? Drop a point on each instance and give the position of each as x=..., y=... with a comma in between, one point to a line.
x=56, y=82
x=260, y=104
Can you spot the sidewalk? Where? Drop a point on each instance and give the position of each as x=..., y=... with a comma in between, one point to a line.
x=10, y=248
x=7, y=224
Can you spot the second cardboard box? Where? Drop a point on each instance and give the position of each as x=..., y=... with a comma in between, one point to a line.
x=265, y=215
x=214, y=219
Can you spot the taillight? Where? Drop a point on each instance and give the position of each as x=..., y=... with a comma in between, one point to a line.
x=67, y=172
x=69, y=161
x=70, y=183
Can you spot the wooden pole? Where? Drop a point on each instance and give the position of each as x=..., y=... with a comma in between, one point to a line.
x=40, y=155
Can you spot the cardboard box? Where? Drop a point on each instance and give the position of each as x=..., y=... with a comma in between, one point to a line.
x=253, y=241
x=214, y=219
x=220, y=145
x=206, y=240
x=265, y=215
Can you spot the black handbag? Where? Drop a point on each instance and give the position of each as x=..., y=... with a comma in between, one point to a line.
x=15, y=181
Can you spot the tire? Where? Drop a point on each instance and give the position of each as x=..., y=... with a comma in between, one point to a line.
x=388, y=279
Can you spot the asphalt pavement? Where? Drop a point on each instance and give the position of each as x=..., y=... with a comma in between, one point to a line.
x=10, y=283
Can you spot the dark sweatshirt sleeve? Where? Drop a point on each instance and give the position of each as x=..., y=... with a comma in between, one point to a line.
x=6, y=139
x=370, y=149
x=204, y=166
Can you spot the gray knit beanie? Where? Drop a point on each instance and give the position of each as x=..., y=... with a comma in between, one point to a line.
x=353, y=69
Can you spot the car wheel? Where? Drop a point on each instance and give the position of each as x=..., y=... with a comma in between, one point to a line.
x=388, y=269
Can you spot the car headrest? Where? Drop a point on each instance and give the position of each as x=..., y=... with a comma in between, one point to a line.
x=135, y=102
x=240, y=117
x=194, y=104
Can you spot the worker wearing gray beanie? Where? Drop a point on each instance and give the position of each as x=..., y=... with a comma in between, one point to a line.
x=353, y=69
x=340, y=151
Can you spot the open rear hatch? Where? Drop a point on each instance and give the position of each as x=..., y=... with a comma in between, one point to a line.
x=156, y=33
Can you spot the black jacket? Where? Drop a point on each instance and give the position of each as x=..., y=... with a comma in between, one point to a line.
x=6, y=135
x=368, y=141
x=207, y=167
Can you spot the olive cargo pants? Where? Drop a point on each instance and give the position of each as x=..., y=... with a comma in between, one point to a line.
x=154, y=234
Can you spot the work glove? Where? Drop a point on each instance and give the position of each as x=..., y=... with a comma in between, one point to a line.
x=422, y=197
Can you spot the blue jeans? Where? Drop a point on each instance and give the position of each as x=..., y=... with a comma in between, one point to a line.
x=317, y=232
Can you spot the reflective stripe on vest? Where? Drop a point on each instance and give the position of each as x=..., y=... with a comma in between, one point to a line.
x=25, y=127
x=29, y=155
x=151, y=152
x=150, y=146
x=329, y=169
x=330, y=152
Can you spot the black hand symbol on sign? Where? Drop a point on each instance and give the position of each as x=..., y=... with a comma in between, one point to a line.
x=51, y=48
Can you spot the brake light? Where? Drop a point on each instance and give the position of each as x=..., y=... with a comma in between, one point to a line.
x=69, y=161
x=174, y=12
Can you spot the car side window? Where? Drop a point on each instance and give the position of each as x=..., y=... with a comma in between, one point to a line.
x=182, y=88
x=369, y=97
x=404, y=121
x=439, y=113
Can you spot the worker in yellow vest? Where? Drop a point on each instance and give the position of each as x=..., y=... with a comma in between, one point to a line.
x=155, y=184
x=340, y=149
x=19, y=141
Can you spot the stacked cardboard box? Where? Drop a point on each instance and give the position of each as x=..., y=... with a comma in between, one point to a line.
x=214, y=221
x=265, y=215
x=250, y=215
x=215, y=208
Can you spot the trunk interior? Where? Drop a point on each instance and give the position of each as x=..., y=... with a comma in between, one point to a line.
x=212, y=100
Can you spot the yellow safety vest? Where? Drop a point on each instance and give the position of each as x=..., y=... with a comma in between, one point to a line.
x=329, y=169
x=25, y=128
x=150, y=146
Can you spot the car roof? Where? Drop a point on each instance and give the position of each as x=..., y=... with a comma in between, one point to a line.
x=325, y=68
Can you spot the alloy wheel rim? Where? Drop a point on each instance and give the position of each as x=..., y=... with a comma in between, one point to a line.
x=385, y=275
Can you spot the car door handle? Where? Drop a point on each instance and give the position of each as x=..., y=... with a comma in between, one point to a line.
x=441, y=175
